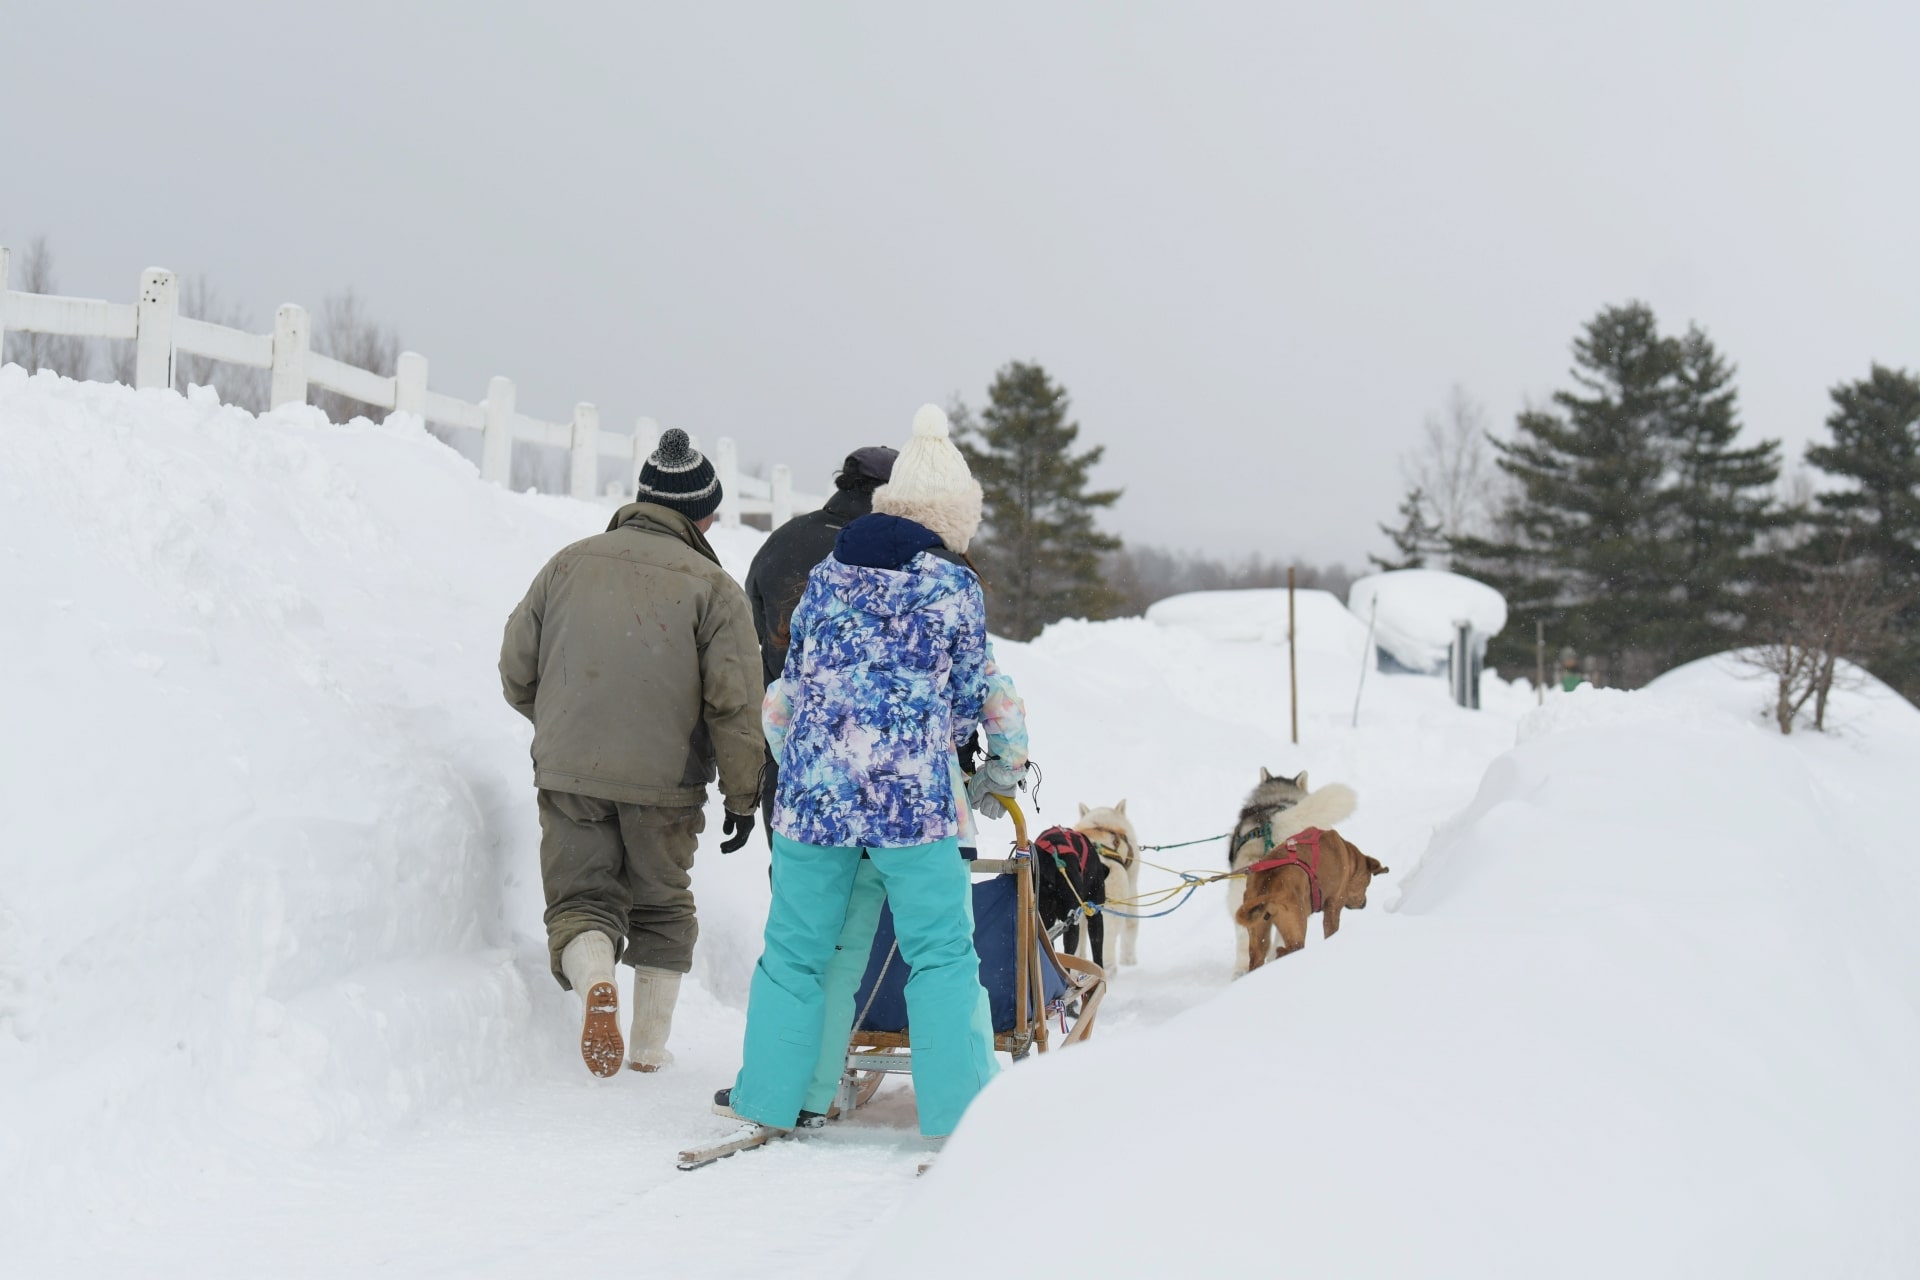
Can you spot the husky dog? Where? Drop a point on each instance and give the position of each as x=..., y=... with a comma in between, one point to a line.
x=1276, y=809
x=1112, y=834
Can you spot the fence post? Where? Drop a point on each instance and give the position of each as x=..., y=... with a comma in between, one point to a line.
x=726, y=465
x=3, y=303
x=496, y=438
x=780, y=482
x=586, y=451
x=153, y=342
x=290, y=332
x=646, y=438
x=410, y=384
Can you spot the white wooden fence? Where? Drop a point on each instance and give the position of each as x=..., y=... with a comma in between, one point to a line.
x=159, y=333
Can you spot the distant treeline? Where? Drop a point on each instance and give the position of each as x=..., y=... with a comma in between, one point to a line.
x=1141, y=575
x=1632, y=517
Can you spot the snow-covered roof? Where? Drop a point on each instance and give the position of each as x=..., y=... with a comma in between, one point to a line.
x=1419, y=610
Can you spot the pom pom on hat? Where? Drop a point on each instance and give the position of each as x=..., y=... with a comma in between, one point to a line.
x=931, y=484
x=930, y=423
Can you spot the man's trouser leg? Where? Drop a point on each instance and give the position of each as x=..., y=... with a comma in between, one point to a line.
x=841, y=984
x=582, y=872
x=811, y=887
x=769, y=784
x=661, y=925
x=930, y=891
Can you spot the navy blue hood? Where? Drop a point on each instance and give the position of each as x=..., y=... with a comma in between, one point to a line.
x=883, y=542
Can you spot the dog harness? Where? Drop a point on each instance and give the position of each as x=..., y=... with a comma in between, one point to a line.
x=1061, y=843
x=1112, y=852
x=1308, y=839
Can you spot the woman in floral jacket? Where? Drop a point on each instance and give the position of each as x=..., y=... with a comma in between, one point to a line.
x=886, y=673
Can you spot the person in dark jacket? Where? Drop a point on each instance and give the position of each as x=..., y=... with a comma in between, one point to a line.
x=778, y=574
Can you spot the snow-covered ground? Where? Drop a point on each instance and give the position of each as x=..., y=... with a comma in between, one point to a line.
x=274, y=999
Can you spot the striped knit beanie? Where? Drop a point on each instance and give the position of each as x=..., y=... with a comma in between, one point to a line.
x=678, y=476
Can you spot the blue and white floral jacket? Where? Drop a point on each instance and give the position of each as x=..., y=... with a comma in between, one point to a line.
x=886, y=670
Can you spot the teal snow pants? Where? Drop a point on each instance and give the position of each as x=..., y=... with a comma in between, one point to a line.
x=813, y=888
x=842, y=985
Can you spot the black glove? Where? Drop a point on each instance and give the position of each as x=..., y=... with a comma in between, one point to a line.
x=738, y=827
x=970, y=755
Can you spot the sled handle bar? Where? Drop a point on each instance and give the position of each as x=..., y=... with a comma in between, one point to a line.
x=1012, y=807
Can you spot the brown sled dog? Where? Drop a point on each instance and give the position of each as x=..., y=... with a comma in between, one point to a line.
x=1308, y=872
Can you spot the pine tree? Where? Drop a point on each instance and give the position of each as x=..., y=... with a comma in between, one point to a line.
x=1038, y=550
x=1875, y=426
x=1721, y=507
x=1418, y=536
x=1635, y=531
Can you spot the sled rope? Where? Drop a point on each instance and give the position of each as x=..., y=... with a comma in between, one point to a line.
x=1156, y=848
x=1177, y=894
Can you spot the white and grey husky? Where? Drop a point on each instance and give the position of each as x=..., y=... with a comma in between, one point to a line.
x=1276, y=808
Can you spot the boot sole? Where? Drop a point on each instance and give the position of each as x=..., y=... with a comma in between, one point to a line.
x=601, y=1047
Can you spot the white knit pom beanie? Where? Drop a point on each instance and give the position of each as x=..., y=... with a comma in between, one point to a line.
x=931, y=484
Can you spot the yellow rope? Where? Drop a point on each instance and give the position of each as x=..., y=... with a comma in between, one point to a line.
x=1189, y=881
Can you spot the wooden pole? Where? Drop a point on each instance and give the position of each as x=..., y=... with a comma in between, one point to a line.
x=1367, y=658
x=153, y=340
x=583, y=471
x=291, y=337
x=1540, y=659
x=496, y=437
x=1023, y=939
x=1293, y=666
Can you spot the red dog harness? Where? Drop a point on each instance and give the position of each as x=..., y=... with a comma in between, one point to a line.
x=1062, y=843
x=1310, y=838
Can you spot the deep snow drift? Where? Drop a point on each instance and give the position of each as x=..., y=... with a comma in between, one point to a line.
x=1646, y=1007
x=273, y=995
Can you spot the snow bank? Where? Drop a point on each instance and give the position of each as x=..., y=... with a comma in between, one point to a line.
x=267, y=831
x=1646, y=1007
x=1419, y=610
x=1859, y=705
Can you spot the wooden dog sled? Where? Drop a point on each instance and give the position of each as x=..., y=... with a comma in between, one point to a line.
x=1028, y=982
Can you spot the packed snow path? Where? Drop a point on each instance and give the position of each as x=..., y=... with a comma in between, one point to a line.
x=274, y=1000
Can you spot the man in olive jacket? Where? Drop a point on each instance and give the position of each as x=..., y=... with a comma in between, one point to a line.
x=633, y=654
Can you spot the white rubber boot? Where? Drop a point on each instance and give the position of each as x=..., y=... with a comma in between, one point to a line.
x=654, y=993
x=588, y=963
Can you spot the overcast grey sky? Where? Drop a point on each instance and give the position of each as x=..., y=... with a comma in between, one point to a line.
x=1257, y=241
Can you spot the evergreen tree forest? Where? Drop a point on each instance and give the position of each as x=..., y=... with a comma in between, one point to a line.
x=1644, y=528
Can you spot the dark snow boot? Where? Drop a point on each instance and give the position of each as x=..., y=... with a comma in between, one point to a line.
x=807, y=1120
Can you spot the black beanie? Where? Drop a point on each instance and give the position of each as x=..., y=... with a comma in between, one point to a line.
x=679, y=477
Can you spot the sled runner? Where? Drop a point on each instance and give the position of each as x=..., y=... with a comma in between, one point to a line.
x=745, y=1138
x=1028, y=982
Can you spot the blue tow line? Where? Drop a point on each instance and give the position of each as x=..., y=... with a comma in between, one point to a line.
x=1193, y=883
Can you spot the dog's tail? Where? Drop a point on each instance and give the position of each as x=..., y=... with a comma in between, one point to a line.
x=1322, y=808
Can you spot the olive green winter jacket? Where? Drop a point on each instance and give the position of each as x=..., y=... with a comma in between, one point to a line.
x=634, y=656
